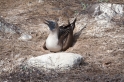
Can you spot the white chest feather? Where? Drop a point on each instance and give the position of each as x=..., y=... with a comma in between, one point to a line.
x=52, y=43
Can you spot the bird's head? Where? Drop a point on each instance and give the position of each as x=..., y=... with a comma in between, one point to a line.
x=52, y=25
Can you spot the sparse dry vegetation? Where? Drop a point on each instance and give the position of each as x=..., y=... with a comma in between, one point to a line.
x=103, y=56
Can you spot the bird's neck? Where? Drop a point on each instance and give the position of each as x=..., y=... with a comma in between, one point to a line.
x=54, y=34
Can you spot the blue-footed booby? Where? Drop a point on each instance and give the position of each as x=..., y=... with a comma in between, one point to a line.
x=60, y=37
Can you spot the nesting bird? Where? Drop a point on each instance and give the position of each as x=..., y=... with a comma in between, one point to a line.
x=60, y=37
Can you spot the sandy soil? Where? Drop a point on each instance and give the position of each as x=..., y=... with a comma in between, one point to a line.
x=103, y=55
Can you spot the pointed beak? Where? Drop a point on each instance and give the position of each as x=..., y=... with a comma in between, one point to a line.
x=50, y=24
x=46, y=22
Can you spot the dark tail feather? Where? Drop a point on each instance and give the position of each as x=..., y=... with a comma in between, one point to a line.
x=73, y=24
x=75, y=20
x=68, y=22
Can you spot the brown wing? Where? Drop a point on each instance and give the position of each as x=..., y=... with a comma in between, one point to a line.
x=64, y=28
x=62, y=38
x=69, y=40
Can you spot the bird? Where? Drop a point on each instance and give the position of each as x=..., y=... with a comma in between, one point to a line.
x=60, y=38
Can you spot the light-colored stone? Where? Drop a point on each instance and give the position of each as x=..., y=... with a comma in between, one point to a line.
x=58, y=61
x=107, y=11
x=40, y=1
x=25, y=37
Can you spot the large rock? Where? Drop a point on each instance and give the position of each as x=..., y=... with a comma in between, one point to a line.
x=106, y=11
x=57, y=61
x=106, y=16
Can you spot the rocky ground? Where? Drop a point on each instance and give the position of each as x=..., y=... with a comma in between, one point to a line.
x=100, y=44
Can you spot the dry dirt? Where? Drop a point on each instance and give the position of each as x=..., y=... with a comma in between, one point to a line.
x=103, y=56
